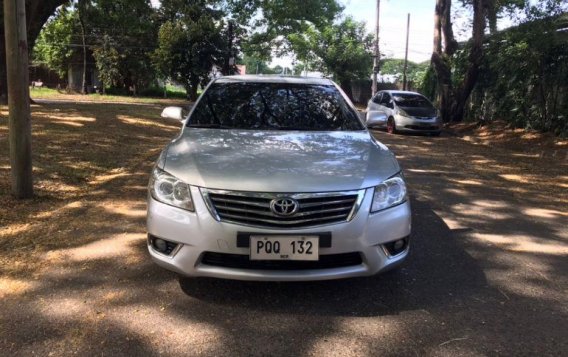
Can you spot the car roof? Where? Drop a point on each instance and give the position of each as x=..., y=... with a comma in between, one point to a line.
x=273, y=79
x=400, y=92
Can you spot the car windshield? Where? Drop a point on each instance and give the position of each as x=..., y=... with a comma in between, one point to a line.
x=274, y=106
x=411, y=100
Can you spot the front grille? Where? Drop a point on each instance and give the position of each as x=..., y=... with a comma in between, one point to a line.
x=239, y=261
x=253, y=209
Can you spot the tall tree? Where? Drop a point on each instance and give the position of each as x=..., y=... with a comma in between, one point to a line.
x=271, y=22
x=53, y=47
x=37, y=13
x=81, y=15
x=343, y=50
x=453, y=93
x=190, y=42
x=453, y=96
x=124, y=31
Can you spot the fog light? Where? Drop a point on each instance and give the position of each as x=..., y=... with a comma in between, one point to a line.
x=162, y=246
x=396, y=247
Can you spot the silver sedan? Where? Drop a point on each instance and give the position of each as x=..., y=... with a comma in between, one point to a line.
x=276, y=178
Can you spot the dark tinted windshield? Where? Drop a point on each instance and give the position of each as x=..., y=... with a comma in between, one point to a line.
x=411, y=100
x=274, y=106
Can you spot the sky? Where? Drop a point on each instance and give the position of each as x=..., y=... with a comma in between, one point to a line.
x=392, y=26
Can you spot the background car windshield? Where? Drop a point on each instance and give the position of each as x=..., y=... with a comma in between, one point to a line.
x=411, y=100
x=274, y=106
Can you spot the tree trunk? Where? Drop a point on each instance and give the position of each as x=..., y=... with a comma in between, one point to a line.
x=452, y=99
x=346, y=87
x=81, y=9
x=3, y=74
x=475, y=57
x=193, y=93
x=440, y=56
x=20, y=131
x=3, y=78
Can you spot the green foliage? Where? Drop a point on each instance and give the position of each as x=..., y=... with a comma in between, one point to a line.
x=415, y=73
x=256, y=65
x=108, y=63
x=54, y=46
x=122, y=34
x=190, y=43
x=272, y=21
x=119, y=34
x=342, y=50
x=524, y=77
x=428, y=83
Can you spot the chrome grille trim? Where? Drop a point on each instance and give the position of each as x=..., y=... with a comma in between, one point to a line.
x=253, y=208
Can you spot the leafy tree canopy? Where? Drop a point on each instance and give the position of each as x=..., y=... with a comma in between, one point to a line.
x=273, y=21
x=54, y=46
x=190, y=42
x=343, y=50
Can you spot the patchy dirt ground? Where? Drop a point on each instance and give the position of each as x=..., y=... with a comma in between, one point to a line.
x=487, y=274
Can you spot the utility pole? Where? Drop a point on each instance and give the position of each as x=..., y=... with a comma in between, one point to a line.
x=19, y=123
x=376, y=57
x=404, y=81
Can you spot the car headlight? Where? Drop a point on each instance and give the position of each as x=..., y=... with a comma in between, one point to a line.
x=402, y=113
x=389, y=193
x=170, y=190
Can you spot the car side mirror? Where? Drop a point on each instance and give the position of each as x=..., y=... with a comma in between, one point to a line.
x=173, y=113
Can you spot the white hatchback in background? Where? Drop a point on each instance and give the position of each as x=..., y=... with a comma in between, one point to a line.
x=276, y=178
x=402, y=111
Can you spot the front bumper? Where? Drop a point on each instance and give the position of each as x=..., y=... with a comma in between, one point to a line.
x=199, y=233
x=410, y=124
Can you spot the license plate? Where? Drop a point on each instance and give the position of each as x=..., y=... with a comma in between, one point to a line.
x=284, y=247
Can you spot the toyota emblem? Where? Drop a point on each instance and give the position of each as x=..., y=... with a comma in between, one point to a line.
x=284, y=206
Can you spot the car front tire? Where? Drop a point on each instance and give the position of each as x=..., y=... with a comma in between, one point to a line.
x=391, y=126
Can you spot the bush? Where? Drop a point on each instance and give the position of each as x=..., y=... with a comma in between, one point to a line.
x=159, y=92
x=524, y=77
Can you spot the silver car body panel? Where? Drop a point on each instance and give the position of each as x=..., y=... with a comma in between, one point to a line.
x=245, y=160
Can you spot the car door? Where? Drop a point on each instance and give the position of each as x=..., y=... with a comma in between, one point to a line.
x=375, y=116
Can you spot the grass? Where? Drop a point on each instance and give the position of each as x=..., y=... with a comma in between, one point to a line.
x=53, y=94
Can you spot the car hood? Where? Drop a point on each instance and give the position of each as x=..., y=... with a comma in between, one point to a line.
x=275, y=161
x=419, y=112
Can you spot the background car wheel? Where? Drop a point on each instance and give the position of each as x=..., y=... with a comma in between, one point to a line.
x=436, y=133
x=391, y=126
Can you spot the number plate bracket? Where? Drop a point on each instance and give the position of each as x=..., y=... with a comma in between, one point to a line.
x=243, y=238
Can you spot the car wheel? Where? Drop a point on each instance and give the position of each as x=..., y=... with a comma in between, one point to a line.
x=391, y=126
x=436, y=133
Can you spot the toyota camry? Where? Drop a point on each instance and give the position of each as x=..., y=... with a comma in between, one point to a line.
x=276, y=178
